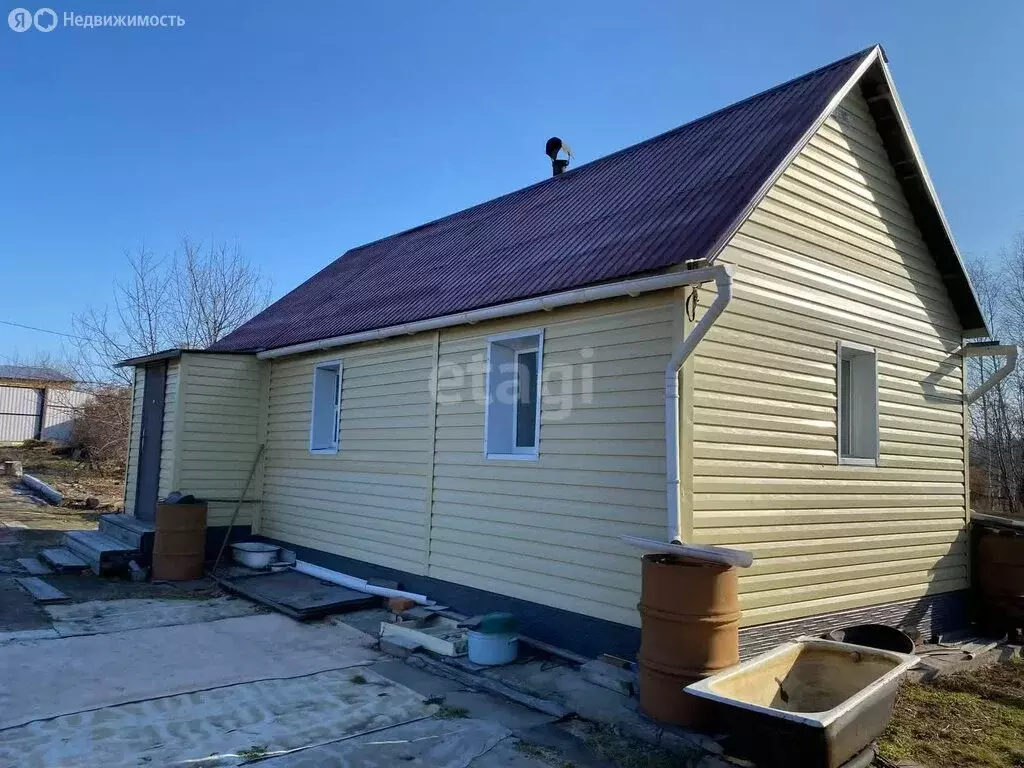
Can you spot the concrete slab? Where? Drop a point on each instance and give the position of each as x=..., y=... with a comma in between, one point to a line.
x=19, y=635
x=417, y=680
x=428, y=743
x=96, y=616
x=223, y=726
x=49, y=678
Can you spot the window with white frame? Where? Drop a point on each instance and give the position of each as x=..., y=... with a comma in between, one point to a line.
x=512, y=424
x=325, y=413
x=857, y=385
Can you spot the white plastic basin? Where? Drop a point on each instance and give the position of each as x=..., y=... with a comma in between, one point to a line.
x=254, y=554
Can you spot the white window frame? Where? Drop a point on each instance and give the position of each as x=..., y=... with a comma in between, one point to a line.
x=491, y=412
x=333, y=448
x=866, y=459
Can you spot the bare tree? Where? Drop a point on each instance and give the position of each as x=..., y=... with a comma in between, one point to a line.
x=997, y=418
x=189, y=299
x=213, y=292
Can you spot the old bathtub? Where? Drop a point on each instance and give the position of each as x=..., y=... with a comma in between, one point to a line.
x=814, y=703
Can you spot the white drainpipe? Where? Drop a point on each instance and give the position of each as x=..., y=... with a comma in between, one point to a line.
x=990, y=349
x=722, y=275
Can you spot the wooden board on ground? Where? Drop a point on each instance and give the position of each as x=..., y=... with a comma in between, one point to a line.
x=440, y=635
x=300, y=596
x=41, y=591
x=34, y=566
x=63, y=559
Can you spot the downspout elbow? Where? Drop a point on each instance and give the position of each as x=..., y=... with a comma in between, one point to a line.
x=985, y=349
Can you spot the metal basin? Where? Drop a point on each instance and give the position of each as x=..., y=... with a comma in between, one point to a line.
x=814, y=703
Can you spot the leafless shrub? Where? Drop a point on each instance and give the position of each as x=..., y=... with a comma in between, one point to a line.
x=103, y=426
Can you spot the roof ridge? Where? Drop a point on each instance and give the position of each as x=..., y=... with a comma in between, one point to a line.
x=570, y=172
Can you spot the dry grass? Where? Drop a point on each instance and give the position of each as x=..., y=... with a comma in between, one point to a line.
x=970, y=719
x=76, y=480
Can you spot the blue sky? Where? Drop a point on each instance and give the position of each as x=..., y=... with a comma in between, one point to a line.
x=300, y=130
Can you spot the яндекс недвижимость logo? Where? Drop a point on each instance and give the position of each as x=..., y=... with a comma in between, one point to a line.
x=22, y=20
x=46, y=20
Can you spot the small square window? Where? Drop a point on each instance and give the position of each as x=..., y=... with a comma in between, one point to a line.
x=857, y=388
x=325, y=413
x=512, y=425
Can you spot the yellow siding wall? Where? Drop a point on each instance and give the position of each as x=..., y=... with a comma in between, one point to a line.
x=131, y=472
x=549, y=531
x=218, y=432
x=831, y=254
x=368, y=501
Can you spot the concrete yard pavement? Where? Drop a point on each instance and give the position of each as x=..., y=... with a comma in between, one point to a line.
x=250, y=688
x=144, y=674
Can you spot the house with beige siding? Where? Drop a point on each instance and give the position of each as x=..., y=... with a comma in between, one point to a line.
x=746, y=332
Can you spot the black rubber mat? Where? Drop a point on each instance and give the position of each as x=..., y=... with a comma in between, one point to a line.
x=298, y=595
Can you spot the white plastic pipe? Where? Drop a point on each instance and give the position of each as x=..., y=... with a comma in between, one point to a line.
x=722, y=275
x=50, y=494
x=988, y=349
x=354, y=582
x=552, y=301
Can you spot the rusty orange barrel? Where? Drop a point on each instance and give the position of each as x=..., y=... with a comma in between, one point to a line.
x=690, y=619
x=179, y=545
x=1000, y=571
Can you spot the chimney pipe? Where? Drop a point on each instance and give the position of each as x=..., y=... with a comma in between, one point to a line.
x=553, y=146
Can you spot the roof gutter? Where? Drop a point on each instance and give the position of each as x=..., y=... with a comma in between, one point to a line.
x=990, y=349
x=552, y=301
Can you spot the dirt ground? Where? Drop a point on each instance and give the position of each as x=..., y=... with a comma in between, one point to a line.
x=28, y=526
x=76, y=480
x=969, y=719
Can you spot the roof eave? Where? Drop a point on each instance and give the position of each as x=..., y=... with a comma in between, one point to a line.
x=177, y=352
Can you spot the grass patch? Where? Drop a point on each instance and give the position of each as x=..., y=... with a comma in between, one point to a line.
x=970, y=719
x=255, y=752
x=448, y=712
x=610, y=745
x=542, y=754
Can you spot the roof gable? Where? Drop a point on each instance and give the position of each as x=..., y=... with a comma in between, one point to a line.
x=676, y=197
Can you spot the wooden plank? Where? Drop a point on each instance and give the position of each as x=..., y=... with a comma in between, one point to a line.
x=34, y=566
x=41, y=591
x=63, y=559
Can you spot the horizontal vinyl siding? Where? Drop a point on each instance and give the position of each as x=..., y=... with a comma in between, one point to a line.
x=368, y=501
x=220, y=395
x=831, y=254
x=131, y=473
x=167, y=456
x=549, y=530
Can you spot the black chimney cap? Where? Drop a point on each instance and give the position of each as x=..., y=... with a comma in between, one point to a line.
x=552, y=147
